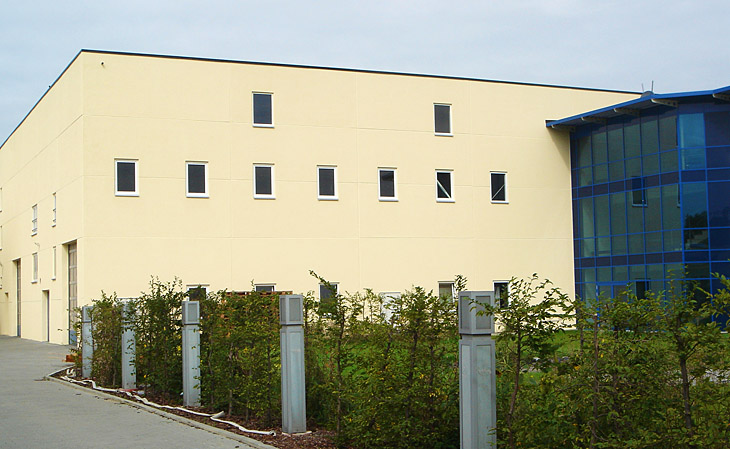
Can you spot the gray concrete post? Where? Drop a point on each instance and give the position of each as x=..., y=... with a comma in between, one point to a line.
x=477, y=373
x=293, y=393
x=191, y=352
x=87, y=342
x=129, y=348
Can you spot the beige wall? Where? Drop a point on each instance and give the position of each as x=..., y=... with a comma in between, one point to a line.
x=164, y=112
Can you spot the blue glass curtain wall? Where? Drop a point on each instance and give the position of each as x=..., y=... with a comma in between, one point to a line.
x=651, y=199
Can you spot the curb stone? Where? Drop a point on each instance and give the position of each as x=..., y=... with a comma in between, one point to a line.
x=250, y=442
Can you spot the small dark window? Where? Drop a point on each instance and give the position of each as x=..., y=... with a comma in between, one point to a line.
x=443, y=185
x=638, y=198
x=442, y=118
x=262, y=110
x=326, y=177
x=196, y=180
x=197, y=293
x=126, y=177
x=387, y=184
x=499, y=187
x=501, y=292
x=263, y=179
x=264, y=288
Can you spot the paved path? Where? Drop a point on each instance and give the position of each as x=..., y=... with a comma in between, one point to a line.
x=44, y=414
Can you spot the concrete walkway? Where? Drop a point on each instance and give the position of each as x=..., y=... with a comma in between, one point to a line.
x=37, y=414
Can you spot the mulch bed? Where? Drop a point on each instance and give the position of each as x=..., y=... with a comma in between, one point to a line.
x=316, y=439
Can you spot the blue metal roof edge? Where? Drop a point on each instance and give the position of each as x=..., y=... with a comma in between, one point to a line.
x=643, y=99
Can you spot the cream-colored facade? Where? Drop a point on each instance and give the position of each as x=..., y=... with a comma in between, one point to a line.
x=162, y=112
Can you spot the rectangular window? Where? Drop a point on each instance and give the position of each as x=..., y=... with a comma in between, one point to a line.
x=444, y=186
x=197, y=292
x=499, y=187
x=263, y=114
x=1, y=246
x=54, y=264
x=263, y=181
x=326, y=293
x=126, y=177
x=446, y=290
x=501, y=292
x=442, y=119
x=54, y=210
x=387, y=184
x=387, y=305
x=1, y=199
x=327, y=183
x=197, y=179
x=34, y=221
x=35, y=267
x=638, y=197
x=265, y=287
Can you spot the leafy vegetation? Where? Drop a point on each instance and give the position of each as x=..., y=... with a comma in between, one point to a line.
x=651, y=372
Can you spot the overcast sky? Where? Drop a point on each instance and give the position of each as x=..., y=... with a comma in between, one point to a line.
x=610, y=44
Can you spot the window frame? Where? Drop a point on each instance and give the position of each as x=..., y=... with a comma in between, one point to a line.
x=498, y=298
x=393, y=198
x=333, y=197
x=452, y=284
x=53, y=223
x=253, y=109
x=264, y=196
x=336, y=285
x=55, y=264
x=34, y=273
x=450, y=198
x=190, y=287
x=262, y=286
x=188, y=193
x=450, y=133
x=387, y=298
x=34, y=220
x=504, y=187
x=118, y=192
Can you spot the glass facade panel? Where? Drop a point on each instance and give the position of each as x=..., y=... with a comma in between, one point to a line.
x=668, y=133
x=603, y=224
x=650, y=164
x=600, y=173
x=671, y=215
x=649, y=136
x=717, y=130
x=585, y=176
x=616, y=144
x=616, y=170
x=693, y=158
x=718, y=194
x=691, y=130
x=633, y=167
x=584, y=152
x=618, y=213
x=694, y=205
x=653, y=209
x=632, y=141
x=600, y=155
x=636, y=243
x=586, y=213
x=670, y=161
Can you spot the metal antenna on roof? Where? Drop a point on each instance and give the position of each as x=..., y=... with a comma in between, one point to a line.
x=652, y=85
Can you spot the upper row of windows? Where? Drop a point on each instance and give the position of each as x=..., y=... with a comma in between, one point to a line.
x=263, y=114
x=263, y=182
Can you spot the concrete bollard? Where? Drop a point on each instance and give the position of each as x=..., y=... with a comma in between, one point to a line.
x=191, y=352
x=477, y=373
x=87, y=342
x=293, y=392
x=129, y=348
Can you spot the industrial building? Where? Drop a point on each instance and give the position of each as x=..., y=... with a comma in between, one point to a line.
x=239, y=175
